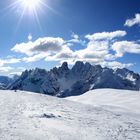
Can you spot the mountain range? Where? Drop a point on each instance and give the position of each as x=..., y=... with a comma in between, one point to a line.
x=82, y=77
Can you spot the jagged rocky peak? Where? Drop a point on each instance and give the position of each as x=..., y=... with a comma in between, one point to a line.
x=85, y=70
x=62, y=70
x=78, y=65
x=80, y=68
x=38, y=72
x=125, y=73
x=65, y=66
x=24, y=74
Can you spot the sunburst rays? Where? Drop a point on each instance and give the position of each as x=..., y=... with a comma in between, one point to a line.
x=33, y=8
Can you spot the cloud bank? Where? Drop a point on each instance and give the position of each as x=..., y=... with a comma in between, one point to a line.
x=100, y=48
x=4, y=69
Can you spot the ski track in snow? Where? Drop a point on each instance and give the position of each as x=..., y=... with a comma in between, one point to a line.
x=30, y=116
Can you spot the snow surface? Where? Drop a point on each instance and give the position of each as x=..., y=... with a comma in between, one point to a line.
x=30, y=116
x=126, y=100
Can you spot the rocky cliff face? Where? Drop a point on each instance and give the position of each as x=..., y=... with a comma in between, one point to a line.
x=81, y=78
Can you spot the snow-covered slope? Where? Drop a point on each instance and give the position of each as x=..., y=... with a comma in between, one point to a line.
x=81, y=78
x=30, y=116
x=126, y=100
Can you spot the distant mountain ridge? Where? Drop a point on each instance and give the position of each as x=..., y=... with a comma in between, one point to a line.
x=82, y=77
x=4, y=81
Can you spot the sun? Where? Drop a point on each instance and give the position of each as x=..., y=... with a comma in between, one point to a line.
x=30, y=4
x=30, y=8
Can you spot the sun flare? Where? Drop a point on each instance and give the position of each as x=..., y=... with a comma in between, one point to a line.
x=30, y=4
x=30, y=8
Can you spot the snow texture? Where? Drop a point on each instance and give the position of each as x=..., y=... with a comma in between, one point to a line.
x=99, y=115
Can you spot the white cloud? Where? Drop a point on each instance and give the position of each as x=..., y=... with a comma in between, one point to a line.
x=35, y=58
x=66, y=53
x=7, y=70
x=95, y=51
x=46, y=44
x=4, y=69
x=24, y=48
x=76, y=39
x=9, y=61
x=133, y=21
x=75, y=36
x=106, y=35
x=115, y=64
x=123, y=47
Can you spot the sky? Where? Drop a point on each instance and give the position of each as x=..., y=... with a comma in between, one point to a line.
x=46, y=33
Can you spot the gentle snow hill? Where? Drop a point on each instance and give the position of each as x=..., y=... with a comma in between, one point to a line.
x=125, y=100
x=30, y=116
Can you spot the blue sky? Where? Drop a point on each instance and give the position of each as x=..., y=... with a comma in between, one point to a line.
x=45, y=33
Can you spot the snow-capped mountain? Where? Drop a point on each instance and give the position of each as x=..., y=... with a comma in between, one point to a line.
x=5, y=81
x=81, y=78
